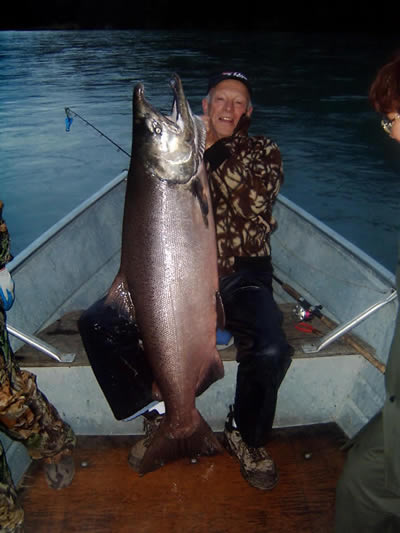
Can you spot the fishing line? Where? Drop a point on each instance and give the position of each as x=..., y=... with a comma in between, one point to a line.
x=70, y=114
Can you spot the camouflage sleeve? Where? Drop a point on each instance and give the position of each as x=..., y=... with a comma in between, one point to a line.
x=254, y=173
x=5, y=254
x=244, y=186
x=267, y=166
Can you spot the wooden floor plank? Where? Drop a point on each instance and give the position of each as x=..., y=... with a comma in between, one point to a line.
x=207, y=497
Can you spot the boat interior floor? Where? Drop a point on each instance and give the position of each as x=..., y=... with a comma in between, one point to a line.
x=63, y=334
x=209, y=496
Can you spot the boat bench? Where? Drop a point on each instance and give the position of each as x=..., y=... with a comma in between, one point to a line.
x=313, y=387
x=64, y=335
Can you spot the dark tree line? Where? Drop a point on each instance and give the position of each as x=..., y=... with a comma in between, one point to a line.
x=153, y=14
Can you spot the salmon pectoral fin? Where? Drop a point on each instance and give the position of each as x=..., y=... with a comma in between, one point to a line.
x=119, y=297
x=165, y=447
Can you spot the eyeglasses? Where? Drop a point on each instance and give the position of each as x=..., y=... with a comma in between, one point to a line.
x=387, y=124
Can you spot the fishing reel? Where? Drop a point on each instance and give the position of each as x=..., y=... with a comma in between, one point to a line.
x=305, y=312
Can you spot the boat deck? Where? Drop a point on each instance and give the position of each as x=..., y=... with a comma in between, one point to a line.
x=210, y=496
x=63, y=335
x=207, y=497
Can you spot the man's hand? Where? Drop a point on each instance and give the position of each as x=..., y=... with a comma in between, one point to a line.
x=6, y=289
x=210, y=138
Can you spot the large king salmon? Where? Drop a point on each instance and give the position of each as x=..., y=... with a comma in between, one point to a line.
x=169, y=270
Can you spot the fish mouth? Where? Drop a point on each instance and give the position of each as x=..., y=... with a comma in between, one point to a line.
x=180, y=116
x=174, y=144
x=192, y=127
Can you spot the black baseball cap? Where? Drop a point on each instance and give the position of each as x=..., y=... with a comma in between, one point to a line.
x=217, y=77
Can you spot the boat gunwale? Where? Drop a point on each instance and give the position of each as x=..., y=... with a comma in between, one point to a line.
x=366, y=260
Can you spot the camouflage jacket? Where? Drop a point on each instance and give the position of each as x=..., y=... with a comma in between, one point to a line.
x=245, y=175
x=5, y=255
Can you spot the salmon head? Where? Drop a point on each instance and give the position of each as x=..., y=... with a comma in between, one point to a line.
x=168, y=147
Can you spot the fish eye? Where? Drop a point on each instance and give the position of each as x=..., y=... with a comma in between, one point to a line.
x=157, y=128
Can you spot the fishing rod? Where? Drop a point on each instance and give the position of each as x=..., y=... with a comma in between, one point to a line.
x=307, y=311
x=70, y=113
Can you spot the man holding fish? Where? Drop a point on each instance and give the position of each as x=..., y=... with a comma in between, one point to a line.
x=245, y=174
x=183, y=229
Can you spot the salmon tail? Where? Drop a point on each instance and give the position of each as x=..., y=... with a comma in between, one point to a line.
x=165, y=447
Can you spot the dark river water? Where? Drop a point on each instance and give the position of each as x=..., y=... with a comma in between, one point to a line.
x=310, y=96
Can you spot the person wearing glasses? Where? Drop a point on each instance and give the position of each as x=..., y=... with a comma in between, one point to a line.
x=368, y=491
x=391, y=125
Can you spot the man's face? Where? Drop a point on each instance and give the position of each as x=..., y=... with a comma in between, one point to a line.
x=227, y=102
